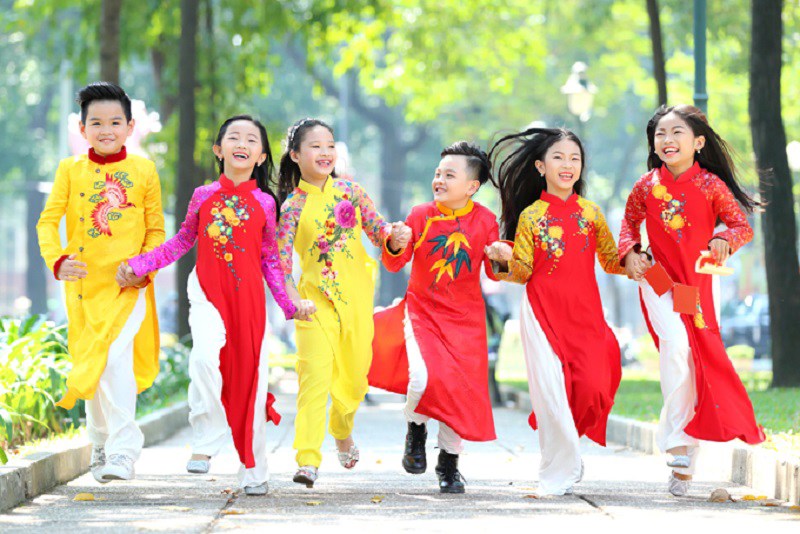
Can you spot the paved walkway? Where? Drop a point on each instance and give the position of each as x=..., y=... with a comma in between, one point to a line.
x=622, y=491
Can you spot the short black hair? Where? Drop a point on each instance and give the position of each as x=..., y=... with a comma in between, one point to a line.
x=103, y=91
x=477, y=160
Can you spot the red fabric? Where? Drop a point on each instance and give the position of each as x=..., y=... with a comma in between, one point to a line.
x=229, y=271
x=448, y=317
x=724, y=410
x=112, y=158
x=565, y=299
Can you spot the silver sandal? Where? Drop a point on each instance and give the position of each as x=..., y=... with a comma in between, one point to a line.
x=350, y=458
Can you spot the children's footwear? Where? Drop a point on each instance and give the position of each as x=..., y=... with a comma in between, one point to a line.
x=350, y=458
x=679, y=460
x=98, y=462
x=198, y=466
x=414, y=460
x=307, y=475
x=678, y=487
x=260, y=489
x=450, y=480
x=118, y=467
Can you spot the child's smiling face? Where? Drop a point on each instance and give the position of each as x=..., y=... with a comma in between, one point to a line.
x=106, y=128
x=453, y=182
x=241, y=147
x=561, y=167
x=675, y=143
x=316, y=156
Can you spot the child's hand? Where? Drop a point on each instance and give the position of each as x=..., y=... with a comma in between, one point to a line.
x=305, y=309
x=636, y=264
x=720, y=250
x=400, y=237
x=126, y=277
x=71, y=269
x=499, y=252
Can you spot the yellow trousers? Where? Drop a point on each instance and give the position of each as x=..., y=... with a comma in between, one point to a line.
x=333, y=359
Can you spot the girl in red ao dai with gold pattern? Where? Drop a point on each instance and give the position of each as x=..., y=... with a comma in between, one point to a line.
x=691, y=186
x=572, y=356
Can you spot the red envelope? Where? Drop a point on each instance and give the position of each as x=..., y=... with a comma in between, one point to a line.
x=658, y=279
x=684, y=299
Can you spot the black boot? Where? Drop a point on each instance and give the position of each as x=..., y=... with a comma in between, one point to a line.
x=450, y=480
x=414, y=460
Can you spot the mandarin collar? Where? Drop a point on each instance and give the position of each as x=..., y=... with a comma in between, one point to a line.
x=456, y=213
x=111, y=158
x=227, y=183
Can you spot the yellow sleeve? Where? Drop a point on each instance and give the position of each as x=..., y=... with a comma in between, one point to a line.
x=153, y=216
x=54, y=210
x=520, y=267
x=607, y=253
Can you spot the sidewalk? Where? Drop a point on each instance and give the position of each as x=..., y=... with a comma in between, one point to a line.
x=622, y=489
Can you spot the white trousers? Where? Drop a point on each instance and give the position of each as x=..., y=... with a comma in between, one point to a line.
x=111, y=414
x=559, y=442
x=210, y=430
x=449, y=440
x=676, y=368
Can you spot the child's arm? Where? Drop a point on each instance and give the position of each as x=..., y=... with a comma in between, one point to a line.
x=47, y=227
x=373, y=223
x=270, y=261
x=177, y=246
x=738, y=232
x=520, y=267
x=606, y=247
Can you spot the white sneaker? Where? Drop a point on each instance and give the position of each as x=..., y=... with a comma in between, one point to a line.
x=679, y=460
x=118, y=467
x=260, y=489
x=98, y=462
x=678, y=487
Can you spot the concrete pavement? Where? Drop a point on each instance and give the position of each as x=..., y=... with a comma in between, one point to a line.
x=622, y=491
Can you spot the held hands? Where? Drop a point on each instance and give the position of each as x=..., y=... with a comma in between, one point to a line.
x=636, y=264
x=499, y=252
x=305, y=309
x=126, y=277
x=720, y=250
x=400, y=236
x=71, y=269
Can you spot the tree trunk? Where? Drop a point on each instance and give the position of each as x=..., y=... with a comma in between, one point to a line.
x=187, y=131
x=775, y=183
x=109, y=40
x=659, y=70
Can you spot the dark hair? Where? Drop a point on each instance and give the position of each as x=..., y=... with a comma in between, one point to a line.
x=477, y=160
x=519, y=181
x=715, y=156
x=103, y=91
x=262, y=173
x=289, y=171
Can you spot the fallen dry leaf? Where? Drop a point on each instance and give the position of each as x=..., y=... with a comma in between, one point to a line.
x=377, y=499
x=313, y=503
x=233, y=511
x=719, y=495
x=84, y=497
x=176, y=508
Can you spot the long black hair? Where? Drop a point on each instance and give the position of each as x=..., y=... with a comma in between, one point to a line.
x=715, y=156
x=519, y=181
x=264, y=173
x=289, y=172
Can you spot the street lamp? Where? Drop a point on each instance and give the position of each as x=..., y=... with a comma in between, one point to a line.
x=580, y=92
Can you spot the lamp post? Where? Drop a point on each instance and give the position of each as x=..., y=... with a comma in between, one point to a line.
x=580, y=94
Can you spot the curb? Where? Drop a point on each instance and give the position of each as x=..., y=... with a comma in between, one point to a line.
x=25, y=478
x=770, y=473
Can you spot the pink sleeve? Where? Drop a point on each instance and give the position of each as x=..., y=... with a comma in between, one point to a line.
x=173, y=249
x=630, y=235
x=373, y=223
x=738, y=232
x=270, y=258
